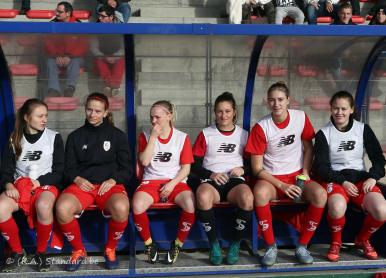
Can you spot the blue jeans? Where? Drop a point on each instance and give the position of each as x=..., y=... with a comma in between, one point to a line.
x=72, y=72
x=123, y=8
x=313, y=13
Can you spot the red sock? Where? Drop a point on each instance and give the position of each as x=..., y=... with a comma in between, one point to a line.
x=142, y=224
x=43, y=233
x=310, y=223
x=264, y=217
x=370, y=226
x=116, y=230
x=71, y=231
x=336, y=226
x=10, y=232
x=184, y=225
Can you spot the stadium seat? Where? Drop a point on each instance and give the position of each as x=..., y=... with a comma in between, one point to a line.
x=324, y=19
x=375, y=104
x=318, y=103
x=274, y=71
x=116, y=103
x=306, y=71
x=358, y=19
x=48, y=14
x=8, y=13
x=19, y=101
x=27, y=41
x=82, y=14
x=62, y=103
x=23, y=70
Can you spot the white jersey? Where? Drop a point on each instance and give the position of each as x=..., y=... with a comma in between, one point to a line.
x=223, y=153
x=36, y=159
x=284, y=152
x=165, y=163
x=346, y=148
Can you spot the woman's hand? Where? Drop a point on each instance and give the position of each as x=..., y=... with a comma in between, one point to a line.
x=219, y=178
x=11, y=191
x=106, y=186
x=166, y=190
x=368, y=185
x=291, y=190
x=237, y=172
x=84, y=184
x=155, y=131
x=350, y=188
x=36, y=184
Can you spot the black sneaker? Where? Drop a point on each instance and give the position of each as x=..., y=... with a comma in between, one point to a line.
x=12, y=262
x=173, y=253
x=42, y=262
x=152, y=253
x=69, y=91
x=53, y=93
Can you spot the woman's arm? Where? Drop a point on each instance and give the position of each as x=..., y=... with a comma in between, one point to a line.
x=375, y=153
x=8, y=166
x=322, y=164
x=307, y=157
x=146, y=155
x=55, y=176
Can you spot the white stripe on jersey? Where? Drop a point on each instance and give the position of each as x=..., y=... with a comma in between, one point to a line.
x=165, y=163
x=284, y=152
x=223, y=153
x=346, y=148
x=36, y=159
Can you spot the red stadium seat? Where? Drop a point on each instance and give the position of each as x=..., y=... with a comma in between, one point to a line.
x=40, y=14
x=383, y=148
x=19, y=101
x=116, y=103
x=324, y=19
x=8, y=13
x=27, y=41
x=82, y=14
x=375, y=104
x=274, y=71
x=318, y=103
x=358, y=19
x=307, y=71
x=23, y=69
x=62, y=103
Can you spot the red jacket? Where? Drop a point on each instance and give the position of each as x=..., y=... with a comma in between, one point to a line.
x=66, y=45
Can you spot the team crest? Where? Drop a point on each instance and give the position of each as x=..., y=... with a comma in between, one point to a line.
x=106, y=145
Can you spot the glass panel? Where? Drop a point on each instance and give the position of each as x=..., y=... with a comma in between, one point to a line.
x=63, y=70
x=172, y=68
x=314, y=68
x=229, y=68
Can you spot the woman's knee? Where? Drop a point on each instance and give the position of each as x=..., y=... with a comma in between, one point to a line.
x=6, y=210
x=44, y=207
x=336, y=207
x=204, y=199
x=120, y=208
x=139, y=205
x=245, y=200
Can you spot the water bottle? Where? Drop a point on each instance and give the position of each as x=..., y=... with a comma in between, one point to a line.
x=300, y=179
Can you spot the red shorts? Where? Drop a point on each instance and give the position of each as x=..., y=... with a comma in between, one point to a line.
x=91, y=197
x=152, y=187
x=27, y=199
x=290, y=179
x=335, y=188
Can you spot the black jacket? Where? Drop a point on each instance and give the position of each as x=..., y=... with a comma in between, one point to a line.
x=98, y=154
x=322, y=164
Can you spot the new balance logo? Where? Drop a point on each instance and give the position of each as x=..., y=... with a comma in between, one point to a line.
x=346, y=146
x=32, y=156
x=285, y=141
x=226, y=148
x=6, y=237
x=163, y=157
